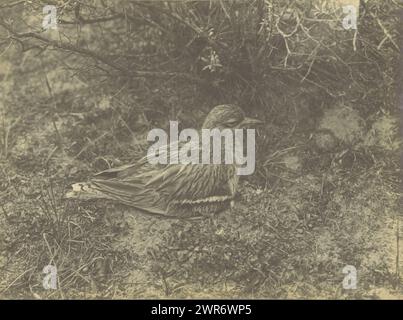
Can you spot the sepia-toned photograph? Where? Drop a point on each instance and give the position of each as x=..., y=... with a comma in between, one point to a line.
x=201, y=149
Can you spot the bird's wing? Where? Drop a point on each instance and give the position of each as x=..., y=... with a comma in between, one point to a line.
x=142, y=165
x=152, y=187
x=152, y=191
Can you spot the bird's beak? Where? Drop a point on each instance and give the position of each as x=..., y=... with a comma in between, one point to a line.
x=250, y=122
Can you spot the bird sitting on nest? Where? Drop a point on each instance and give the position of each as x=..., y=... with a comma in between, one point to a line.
x=172, y=190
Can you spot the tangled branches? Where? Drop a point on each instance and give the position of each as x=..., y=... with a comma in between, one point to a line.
x=247, y=47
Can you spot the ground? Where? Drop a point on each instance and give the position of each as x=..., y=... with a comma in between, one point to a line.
x=291, y=238
x=325, y=195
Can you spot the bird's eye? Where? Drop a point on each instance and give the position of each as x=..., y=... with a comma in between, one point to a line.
x=232, y=123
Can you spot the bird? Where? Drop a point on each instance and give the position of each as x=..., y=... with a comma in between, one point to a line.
x=172, y=190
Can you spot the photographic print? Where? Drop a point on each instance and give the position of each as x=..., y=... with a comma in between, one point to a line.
x=209, y=149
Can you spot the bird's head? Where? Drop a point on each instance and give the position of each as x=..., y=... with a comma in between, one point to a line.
x=228, y=116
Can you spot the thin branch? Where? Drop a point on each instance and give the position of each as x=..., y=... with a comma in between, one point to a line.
x=98, y=57
x=386, y=32
x=82, y=20
x=194, y=28
x=12, y=4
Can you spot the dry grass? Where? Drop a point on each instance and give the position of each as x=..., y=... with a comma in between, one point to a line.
x=319, y=199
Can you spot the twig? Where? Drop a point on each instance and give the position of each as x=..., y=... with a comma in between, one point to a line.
x=7, y=134
x=90, y=21
x=194, y=28
x=91, y=143
x=16, y=279
x=386, y=32
x=91, y=54
x=12, y=4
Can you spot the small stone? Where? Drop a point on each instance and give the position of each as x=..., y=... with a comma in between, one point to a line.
x=325, y=141
x=292, y=163
x=344, y=123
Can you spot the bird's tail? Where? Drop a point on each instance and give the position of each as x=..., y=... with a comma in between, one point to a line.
x=85, y=191
x=127, y=193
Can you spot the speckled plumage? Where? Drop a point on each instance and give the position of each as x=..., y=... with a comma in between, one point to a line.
x=181, y=190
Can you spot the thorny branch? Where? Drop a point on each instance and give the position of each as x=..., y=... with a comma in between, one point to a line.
x=97, y=57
